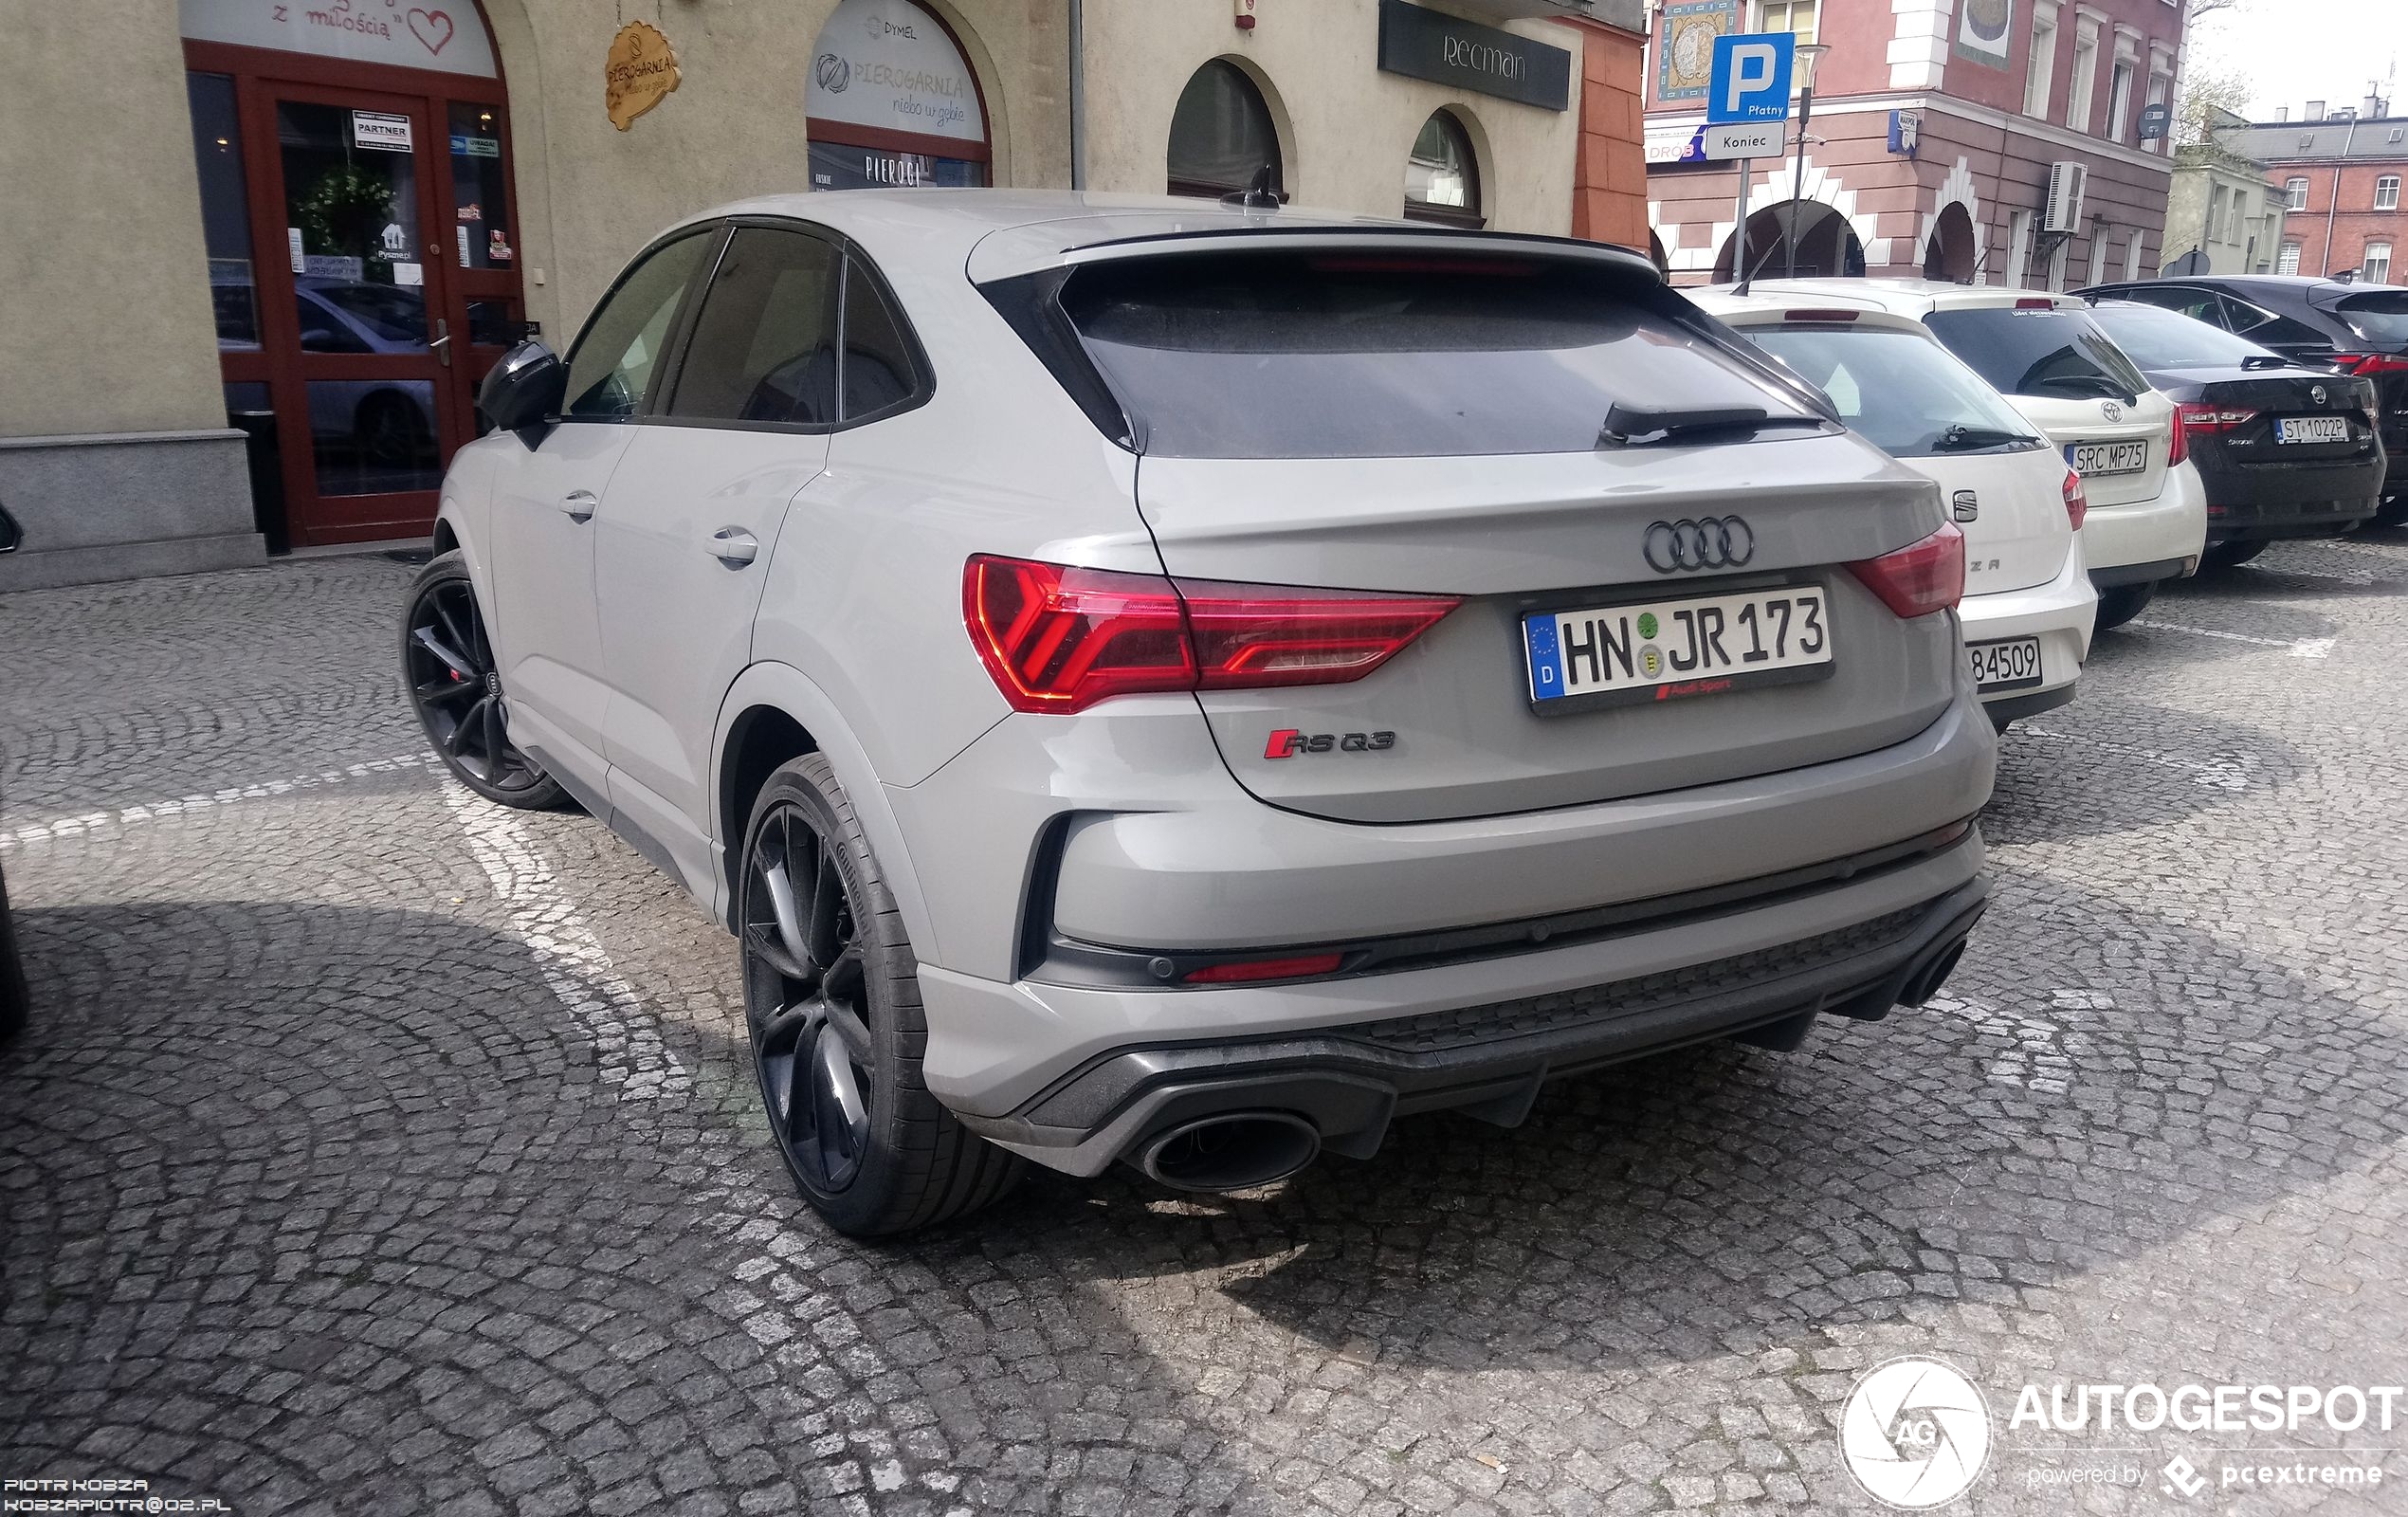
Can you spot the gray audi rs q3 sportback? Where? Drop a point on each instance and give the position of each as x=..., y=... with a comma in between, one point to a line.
x=1191, y=684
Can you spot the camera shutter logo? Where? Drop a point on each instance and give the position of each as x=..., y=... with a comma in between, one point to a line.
x=1914, y=1433
x=834, y=73
x=1707, y=543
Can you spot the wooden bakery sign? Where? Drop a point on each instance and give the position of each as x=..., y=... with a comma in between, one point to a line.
x=639, y=73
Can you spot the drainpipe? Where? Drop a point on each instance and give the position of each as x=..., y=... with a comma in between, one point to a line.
x=2331, y=204
x=1078, y=95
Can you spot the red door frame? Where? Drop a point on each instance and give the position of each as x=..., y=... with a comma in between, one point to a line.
x=263, y=76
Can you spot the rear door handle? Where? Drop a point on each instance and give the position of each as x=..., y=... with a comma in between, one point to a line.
x=734, y=546
x=579, y=506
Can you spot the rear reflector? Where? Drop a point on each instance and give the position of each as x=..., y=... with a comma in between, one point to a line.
x=1921, y=578
x=1259, y=969
x=1056, y=638
x=2077, y=504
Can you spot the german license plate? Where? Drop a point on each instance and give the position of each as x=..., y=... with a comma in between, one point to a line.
x=2090, y=458
x=2010, y=664
x=2312, y=429
x=1671, y=649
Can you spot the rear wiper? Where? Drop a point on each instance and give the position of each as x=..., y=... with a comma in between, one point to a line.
x=1961, y=438
x=1628, y=426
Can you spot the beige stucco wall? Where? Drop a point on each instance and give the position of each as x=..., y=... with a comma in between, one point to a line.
x=591, y=194
x=1345, y=127
x=105, y=306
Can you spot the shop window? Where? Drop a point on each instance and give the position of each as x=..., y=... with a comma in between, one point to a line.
x=2375, y=268
x=892, y=101
x=1222, y=136
x=2286, y=261
x=2295, y=194
x=1442, y=178
x=2387, y=193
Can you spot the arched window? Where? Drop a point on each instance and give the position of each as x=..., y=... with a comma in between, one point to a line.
x=892, y=101
x=1221, y=135
x=1442, y=178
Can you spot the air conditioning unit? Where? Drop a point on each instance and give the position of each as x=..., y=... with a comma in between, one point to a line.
x=2067, y=181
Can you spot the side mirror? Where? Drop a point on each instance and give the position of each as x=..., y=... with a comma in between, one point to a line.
x=526, y=389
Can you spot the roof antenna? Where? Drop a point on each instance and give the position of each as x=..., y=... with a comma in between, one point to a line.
x=1749, y=277
x=1258, y=195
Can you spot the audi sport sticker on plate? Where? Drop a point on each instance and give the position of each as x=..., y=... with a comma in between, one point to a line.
x=1671, y=650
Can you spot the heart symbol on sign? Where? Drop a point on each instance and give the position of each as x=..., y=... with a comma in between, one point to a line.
x=431, y=27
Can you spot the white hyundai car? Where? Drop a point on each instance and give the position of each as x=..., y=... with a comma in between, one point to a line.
x=2148, y=521
x=2029, y=603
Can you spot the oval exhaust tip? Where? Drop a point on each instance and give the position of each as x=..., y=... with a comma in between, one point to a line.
x=1927, y=984
x=1230, y=1152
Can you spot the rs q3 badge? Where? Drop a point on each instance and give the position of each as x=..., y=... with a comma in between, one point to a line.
x=1289, y=743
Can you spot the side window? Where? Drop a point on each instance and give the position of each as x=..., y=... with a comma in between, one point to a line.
x=613, y=364
x=2268, y=330
x=764, y=345
x=879, y=370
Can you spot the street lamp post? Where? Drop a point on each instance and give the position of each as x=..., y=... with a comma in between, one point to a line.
x=1808, y=55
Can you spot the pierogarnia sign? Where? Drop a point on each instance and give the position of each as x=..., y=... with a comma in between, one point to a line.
x=639, y=73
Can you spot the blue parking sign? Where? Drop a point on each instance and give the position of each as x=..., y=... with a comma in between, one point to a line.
x=1750, y=81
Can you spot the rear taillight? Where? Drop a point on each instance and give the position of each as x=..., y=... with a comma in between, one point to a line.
x=1921, y=578
x=2198, y=418
x=2178, y=444
x=1060, y=639
x=2368, y=365
x=2077, y=504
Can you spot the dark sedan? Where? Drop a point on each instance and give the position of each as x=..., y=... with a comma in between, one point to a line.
x=2286, y=451
x=2360, y=330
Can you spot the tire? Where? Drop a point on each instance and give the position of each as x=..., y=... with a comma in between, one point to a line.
x=2120, y=604
x=832, y=1004
x=2232, y=555
x=16, y=1000
x=448, y=667
x=2392, y=512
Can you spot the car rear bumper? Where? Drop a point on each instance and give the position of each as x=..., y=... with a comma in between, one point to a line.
x=2170, y=526
x=2303, y=501
x=1349, y=1056
x=2060, y=613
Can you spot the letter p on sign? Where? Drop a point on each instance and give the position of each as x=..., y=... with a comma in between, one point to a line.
x=1750, y=81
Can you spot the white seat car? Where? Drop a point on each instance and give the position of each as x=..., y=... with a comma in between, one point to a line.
x=2029, y=603
x=2148, y=521
x=1185, y=684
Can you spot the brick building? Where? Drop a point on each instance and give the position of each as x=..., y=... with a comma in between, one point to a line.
x=2340, y=174
x=1937, y=132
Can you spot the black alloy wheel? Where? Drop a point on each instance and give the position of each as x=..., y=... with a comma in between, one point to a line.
x=448, y=663
x=831, y=1001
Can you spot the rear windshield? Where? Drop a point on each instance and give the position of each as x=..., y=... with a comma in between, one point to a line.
x=2378, y=316
x=1372, y=355
x=2156, y=338
x=2046, y=354
x=1900, y=390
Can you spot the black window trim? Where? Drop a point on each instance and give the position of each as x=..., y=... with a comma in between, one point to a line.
x=849, y=255
x=677, y=323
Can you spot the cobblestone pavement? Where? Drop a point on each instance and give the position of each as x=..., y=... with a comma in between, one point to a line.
x=378, y=1150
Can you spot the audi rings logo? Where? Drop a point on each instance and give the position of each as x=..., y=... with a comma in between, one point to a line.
x=834, y=73
x=1914, y=1432
x=1709, y=542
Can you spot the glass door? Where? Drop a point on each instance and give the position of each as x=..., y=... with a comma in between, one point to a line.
x=356, y=313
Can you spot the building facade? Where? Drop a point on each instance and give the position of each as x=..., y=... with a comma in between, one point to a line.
x=1938, y=132
x=2224, y=215
x=285, y=239
x=2337, y=177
